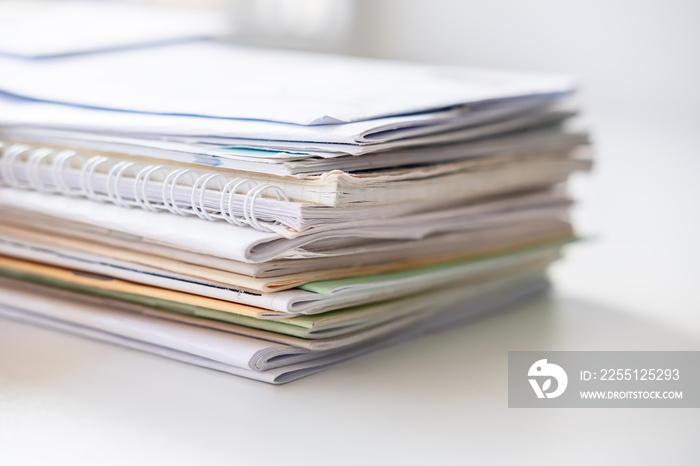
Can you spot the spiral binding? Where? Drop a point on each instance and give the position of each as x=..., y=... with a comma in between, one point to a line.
x=16, y=156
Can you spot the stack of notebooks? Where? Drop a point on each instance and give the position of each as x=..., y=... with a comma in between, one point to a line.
x=272, y=213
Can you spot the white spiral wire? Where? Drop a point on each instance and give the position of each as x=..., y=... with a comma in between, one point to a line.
x=36, y=157
x=57, y=170
x=16, y=157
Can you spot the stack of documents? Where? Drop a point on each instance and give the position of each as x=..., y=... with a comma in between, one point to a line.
x=271, y=213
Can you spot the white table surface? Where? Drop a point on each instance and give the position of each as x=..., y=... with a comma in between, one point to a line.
x=68, y=400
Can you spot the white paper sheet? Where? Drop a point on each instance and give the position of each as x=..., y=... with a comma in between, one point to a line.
x=190, y=262
x=273, y=162
x=214, y=80
x=115, y=126
x=244, y=244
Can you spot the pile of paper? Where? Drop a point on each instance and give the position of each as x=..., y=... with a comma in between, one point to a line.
x=270, y=213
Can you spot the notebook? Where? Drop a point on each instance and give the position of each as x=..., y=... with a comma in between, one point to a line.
x=281, y=204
